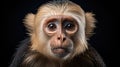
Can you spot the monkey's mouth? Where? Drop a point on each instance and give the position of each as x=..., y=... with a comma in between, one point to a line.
x=60, y=51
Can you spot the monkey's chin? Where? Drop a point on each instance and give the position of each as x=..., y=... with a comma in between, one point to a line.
x=61, y=53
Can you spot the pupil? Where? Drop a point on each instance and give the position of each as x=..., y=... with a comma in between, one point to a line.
x=69, y=26
x=52, y=26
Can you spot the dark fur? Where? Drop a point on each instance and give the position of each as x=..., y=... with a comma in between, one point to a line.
x=21, y=51
x=90, y=58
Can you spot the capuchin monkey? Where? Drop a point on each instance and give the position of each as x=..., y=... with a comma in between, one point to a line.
x=58, y=35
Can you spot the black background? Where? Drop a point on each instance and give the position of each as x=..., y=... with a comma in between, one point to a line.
x=105, y=40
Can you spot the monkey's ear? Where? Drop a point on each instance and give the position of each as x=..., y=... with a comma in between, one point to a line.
x=29, y=22
x=90, y=24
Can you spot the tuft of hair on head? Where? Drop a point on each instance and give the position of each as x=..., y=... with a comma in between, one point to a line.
x=59, y=1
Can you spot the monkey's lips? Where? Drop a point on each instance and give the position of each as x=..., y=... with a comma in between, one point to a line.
x=60, y=51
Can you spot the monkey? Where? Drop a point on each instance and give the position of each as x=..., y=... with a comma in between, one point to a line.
x=58, y=34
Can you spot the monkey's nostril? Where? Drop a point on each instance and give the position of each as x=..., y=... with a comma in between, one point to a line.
x=58, y=38
x=64, y=39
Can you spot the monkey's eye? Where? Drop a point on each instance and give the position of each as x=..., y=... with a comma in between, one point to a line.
x=52, y=26
x=69, y=26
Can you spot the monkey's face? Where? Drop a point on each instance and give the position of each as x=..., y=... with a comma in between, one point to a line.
x=60, y=29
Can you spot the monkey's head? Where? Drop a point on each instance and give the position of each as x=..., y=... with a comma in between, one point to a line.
x=59, y=29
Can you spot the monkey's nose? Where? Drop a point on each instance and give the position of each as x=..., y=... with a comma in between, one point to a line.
x=62, y=38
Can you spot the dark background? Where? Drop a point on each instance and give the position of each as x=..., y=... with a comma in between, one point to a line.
x=105, y=40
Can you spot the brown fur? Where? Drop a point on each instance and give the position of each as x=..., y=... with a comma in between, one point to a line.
x=90, y=58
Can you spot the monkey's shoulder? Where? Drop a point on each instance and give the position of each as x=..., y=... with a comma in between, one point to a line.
x=90, y=58
x=21, y=50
